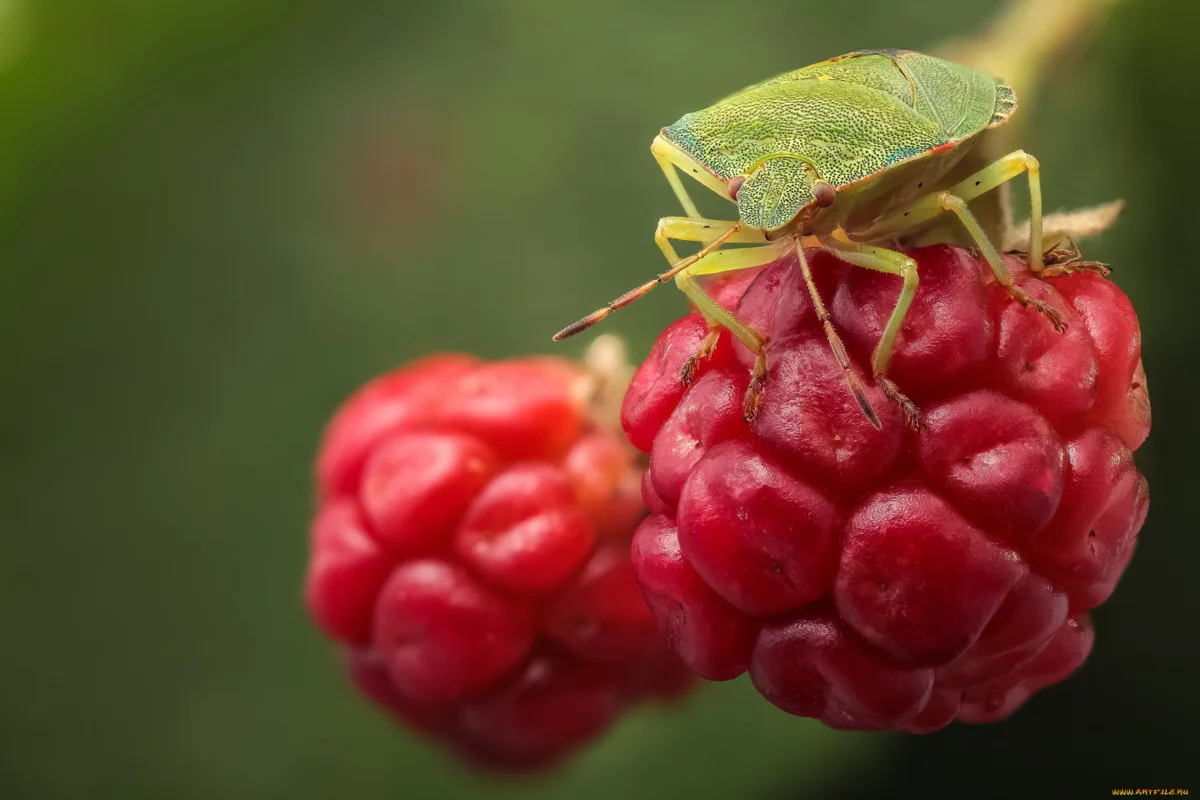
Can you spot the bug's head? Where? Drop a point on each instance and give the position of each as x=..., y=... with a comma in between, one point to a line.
x=713, y=162
x=770, y=191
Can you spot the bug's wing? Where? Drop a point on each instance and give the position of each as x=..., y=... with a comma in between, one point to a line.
x=845, y=132
x=774, y=193
x=960, y=100
x=870, y=69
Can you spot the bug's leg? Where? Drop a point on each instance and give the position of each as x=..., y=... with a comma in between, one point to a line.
x=697, y=230
x=717, y=262
x=756, y=343
x=835, y=341
x=955, y=200
x=884, y=260
x=704, y=231
x=1061, y=254
x=981, y=182
x=688, y=371
x=1065, y=258
x=959, y=206
x=676, y=185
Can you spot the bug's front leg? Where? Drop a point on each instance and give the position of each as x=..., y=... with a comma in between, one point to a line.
x=715, y=263
x=663, y=155
x=706, y=231
x=884, y=260
x=718, y=317
x=835, y=341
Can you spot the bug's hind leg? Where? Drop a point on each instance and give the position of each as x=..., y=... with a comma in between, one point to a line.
x=958, y=205
x=985, y=180
x=883, y=260
x=955, y=198
x=1065, y=259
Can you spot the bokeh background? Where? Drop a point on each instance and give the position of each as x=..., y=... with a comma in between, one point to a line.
x=217, y=217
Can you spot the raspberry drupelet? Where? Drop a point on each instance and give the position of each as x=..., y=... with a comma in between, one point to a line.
x=894, y=578
x=471, y=555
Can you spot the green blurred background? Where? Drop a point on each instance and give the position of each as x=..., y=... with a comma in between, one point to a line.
x=217, y=217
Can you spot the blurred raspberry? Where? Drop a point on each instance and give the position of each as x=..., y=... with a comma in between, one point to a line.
x=894, y=579
x=471, y=553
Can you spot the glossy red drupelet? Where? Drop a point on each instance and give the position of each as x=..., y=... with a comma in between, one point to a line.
x=893, y=579
x=471, y=552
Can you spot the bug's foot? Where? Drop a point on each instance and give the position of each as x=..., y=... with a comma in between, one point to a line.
x=1064, y=258
x=1051, y=313
x=912, y=415
x=1045, y=309
x=1060, y=260
x=754, y=392
x=687, y=372
x=1053, y=270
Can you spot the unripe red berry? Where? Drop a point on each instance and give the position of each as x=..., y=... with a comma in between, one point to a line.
x=894, y=578
x=471, y=554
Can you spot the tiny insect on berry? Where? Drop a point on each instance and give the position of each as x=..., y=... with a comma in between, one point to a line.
x=894, y=578
x=470, y=554
x=849, y=154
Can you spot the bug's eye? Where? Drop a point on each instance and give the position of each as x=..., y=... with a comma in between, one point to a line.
x=824, y=194
x=735, y=185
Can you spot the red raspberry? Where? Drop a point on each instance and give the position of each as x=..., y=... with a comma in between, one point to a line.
x=893, y=579
x=471, y=552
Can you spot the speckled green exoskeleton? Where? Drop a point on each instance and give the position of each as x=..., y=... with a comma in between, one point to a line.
x=850, y=154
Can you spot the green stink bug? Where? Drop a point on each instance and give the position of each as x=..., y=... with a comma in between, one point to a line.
x=854, y=152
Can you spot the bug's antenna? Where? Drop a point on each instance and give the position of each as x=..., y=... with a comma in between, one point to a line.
x=600, y=313
x=641, y=291
x=835, y=341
